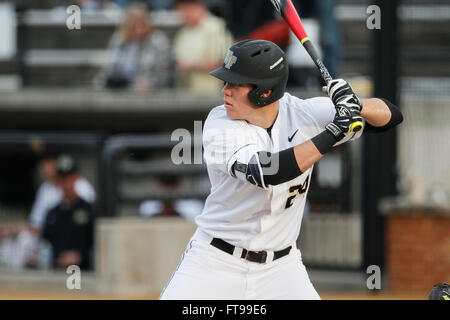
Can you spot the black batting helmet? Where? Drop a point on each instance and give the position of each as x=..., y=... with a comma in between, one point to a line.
x=258, y=62
x=440, y=291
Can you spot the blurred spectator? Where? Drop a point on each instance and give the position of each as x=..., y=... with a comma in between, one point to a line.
x=20, y=244
x=275, y=30
x=199, y=46
x=50, y=193
x=69, y=227
x=89, y=4
x=160, y=4
x=122, y=3
x=153, y=4
x=139, y=55
x=186, y=208
x=328, y=36
x=256, y=19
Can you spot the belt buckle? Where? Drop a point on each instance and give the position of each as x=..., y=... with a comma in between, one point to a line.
x=262, y=253
x=264, y=256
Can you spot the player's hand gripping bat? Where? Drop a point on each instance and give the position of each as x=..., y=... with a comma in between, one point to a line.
x=290, y=15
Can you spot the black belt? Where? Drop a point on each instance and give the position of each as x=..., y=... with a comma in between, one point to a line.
x=254, y=256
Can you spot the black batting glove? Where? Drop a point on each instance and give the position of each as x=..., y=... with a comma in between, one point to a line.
x=344, y=117
x=340, y=90
x=349, y=103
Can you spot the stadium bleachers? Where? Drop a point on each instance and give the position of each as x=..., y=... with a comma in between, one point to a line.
x=55, y=56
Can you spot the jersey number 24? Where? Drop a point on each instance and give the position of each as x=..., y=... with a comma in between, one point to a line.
x=295, y=190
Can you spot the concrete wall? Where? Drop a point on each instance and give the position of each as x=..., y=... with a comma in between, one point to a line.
x=138, y=256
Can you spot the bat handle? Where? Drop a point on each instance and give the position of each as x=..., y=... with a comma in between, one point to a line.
x=307, y=44
x=355, y=126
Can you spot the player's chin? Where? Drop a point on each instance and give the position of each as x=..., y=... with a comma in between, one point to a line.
x=231, y=113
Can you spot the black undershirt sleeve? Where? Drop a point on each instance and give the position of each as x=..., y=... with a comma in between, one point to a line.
x=265, y=168
x=287, y=169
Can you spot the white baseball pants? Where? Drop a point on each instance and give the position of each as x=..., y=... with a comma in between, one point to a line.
x=208, y=273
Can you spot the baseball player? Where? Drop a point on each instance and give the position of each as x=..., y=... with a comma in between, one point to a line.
x=260, y=147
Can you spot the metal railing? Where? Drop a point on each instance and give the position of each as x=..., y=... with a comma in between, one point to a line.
x=112, y=169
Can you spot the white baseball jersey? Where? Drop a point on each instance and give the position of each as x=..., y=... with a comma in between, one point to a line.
x=239, y=212
x=250, y=217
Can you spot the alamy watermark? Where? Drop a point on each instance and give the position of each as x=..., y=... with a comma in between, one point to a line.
x=73, y=21
x=374, y=280
x=374, y=20
x=220, y=145
x=74, y=280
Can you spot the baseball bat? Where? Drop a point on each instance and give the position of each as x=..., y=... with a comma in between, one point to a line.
x=289, y=13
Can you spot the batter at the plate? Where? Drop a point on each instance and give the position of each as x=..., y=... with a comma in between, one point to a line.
x=260, y=147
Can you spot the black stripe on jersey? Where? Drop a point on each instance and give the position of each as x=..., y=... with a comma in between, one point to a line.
x=233, y=174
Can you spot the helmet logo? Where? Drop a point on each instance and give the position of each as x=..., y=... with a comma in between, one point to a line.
x=230, y=59
x=276, y=63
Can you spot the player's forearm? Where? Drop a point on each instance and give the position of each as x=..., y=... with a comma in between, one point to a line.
x=306, y=154
x=380, y=114
x=375, y=112
x=309, y=152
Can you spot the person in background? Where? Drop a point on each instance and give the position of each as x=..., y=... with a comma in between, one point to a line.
x=185, y=208
x=69, y=227
x=256, y=19
x=324, y=11
x=153, y=4
x=139, y=56
x=90, y=5
x=160, y=4
x=20, y=242
x=50, y=194
x=199, y=46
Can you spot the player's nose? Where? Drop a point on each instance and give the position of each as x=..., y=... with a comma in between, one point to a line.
x=226, y=90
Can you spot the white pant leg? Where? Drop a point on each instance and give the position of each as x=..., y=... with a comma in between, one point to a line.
x=207, y=273
x=283, y=279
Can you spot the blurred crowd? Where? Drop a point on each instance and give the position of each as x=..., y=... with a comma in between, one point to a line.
x=59, y=231
x=141, y=57
x=60, y=227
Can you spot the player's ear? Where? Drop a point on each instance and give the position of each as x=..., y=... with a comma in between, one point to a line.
x=266, y=94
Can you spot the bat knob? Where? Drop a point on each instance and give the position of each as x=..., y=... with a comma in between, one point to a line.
x=356, y=126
